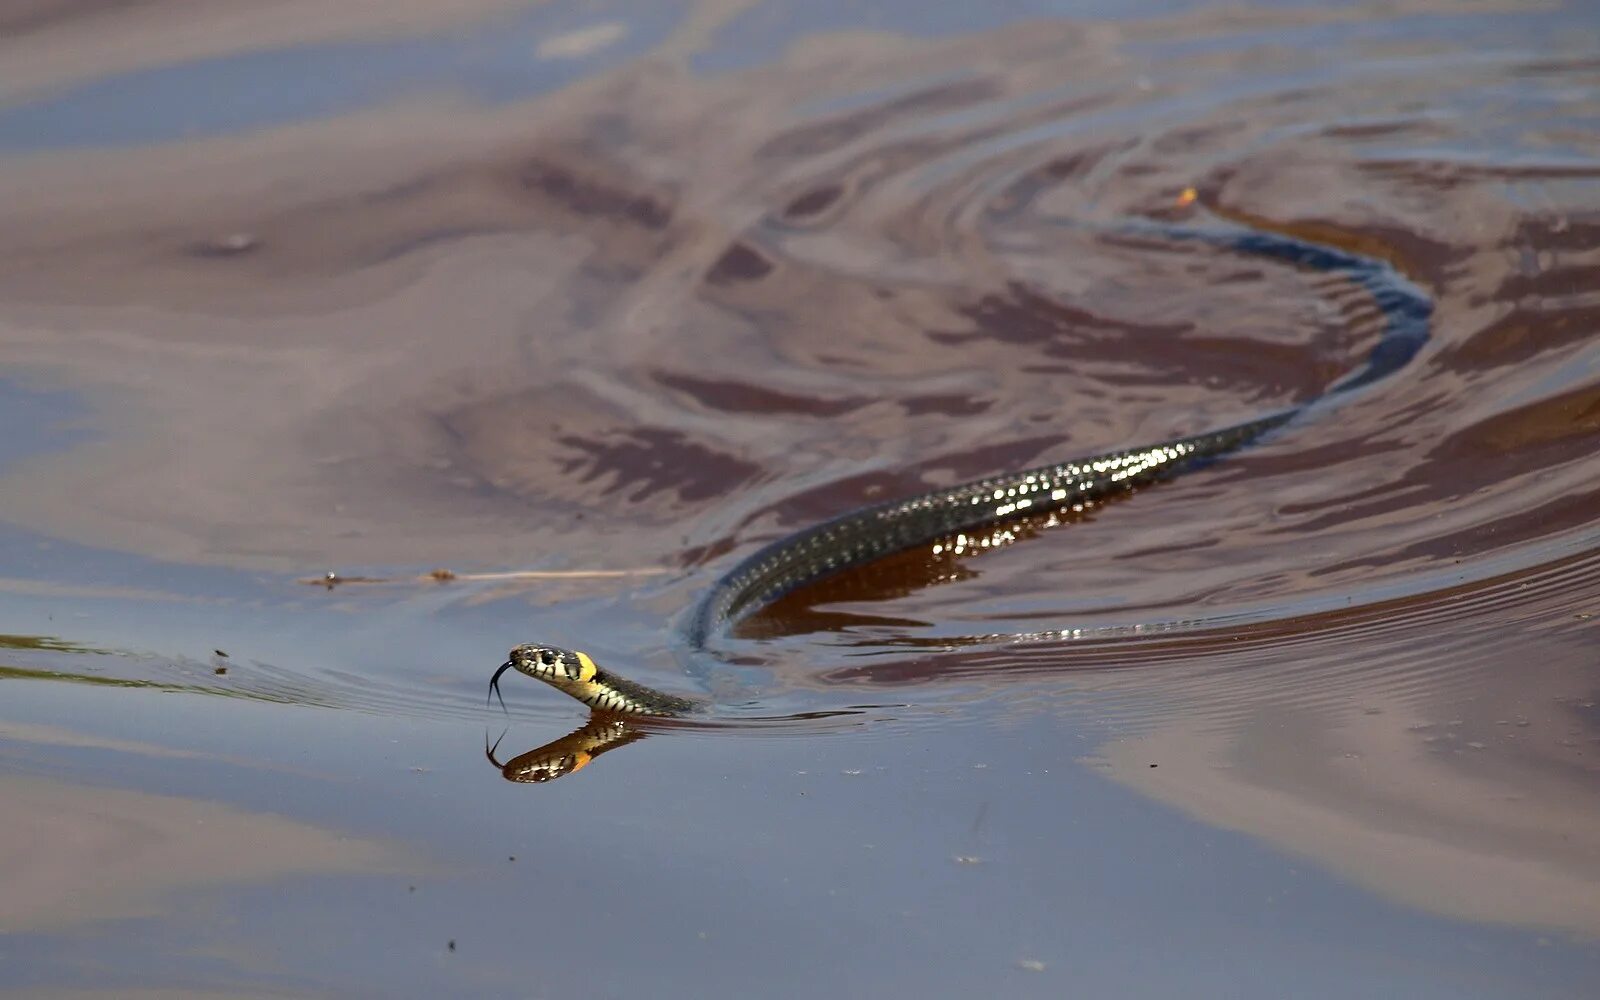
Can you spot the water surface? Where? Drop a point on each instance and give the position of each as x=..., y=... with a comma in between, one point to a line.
x=580, y=304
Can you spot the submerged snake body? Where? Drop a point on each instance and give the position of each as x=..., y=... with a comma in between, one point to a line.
x=869, y=533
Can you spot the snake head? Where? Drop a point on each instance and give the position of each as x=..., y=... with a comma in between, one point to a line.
x=566, y=670
x=551, y=664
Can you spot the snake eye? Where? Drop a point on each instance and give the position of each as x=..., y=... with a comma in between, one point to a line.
x=547, y=658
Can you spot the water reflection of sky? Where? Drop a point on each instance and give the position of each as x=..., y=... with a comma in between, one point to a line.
x=40, y=421
x=511, y=58
x=493, y=62
x=760, y=855
x=37, y=421
x=760, y=34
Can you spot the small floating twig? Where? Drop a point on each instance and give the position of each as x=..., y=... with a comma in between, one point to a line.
x=332, y=579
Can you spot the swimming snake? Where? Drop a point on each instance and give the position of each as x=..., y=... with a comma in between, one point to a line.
x=865, y=534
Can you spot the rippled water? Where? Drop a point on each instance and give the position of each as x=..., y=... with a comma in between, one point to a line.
x=580, y=304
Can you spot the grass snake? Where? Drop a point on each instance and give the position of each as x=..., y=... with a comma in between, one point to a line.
x=868, y=533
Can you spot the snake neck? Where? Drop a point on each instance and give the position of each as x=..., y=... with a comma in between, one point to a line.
x=607, y=692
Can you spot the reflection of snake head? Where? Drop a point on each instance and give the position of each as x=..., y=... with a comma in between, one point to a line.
x=537, y=766
x=570, y=753
x=575, y=674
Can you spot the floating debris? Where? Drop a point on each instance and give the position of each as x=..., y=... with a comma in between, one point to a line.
x=229, y=245
x=332, y=578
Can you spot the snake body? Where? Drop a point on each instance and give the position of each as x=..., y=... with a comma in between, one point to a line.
x=984, y=505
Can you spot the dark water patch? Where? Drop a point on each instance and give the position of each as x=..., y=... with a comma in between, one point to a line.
x=747, y=398
x=655, y=461
x=601, y=464
x=812, y=202
x=952, y=405
x=579, y=191
x=740, y=263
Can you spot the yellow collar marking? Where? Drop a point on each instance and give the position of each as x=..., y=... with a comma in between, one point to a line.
x=586, y=667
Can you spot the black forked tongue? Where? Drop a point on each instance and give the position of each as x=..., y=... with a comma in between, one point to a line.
x=494, y=687
x=488, y=751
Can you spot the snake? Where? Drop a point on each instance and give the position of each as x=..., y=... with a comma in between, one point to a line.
x=953, y=515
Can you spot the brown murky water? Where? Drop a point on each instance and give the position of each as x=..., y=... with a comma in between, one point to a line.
x=581, y=302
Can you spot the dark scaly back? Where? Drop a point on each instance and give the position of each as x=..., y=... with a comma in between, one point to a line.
x=869, y=533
